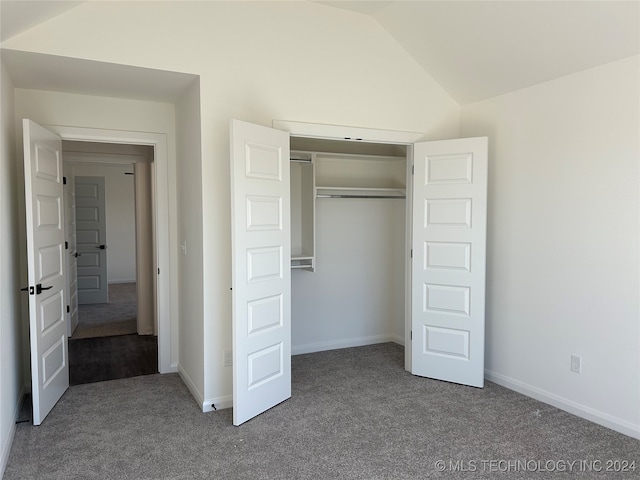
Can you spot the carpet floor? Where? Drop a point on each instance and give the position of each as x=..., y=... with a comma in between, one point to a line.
x=118, y=317
x=354, y=414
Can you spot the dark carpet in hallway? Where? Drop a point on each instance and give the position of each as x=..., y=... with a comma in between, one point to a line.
x=110, y=358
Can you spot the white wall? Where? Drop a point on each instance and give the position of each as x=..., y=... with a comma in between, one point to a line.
x=563, y=236
x=356, y=294
x=54, y=108
x=257, y=61
x=190, y=284
x=11, y=359
x=121, y=218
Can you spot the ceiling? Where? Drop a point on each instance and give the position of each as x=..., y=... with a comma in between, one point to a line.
x=473, y=49
x=16, y=16
x=479, y=49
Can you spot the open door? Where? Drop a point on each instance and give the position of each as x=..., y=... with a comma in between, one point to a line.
x=72, y=253
x=44, y=199
x=448, y=274
x=261, y=277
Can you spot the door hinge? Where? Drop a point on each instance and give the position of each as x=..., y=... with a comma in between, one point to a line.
x=64, y=180
x=411, y=335
x=158, y=271
x=412, y=253
x=68, y=309
x=66, y=245
x=413, y=169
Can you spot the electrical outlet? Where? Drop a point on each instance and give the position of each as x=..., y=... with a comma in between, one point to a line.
x=576, y=363
x=227, y=361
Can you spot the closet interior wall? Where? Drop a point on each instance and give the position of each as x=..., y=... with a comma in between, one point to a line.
x=355, y=294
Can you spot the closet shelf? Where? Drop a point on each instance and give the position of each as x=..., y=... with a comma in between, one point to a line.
x=359, y=192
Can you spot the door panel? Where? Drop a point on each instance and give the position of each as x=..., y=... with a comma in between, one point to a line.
x=261, y=276
x=448, y=274
x=91, y=233
x=44, y=201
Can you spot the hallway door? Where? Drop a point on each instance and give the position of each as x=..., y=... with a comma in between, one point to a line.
x=91, y=238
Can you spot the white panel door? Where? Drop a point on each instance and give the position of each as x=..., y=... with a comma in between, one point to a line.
x=91, y=238
x=261, y=278
x=44, y=200
x=72, y=253
x=448, y=273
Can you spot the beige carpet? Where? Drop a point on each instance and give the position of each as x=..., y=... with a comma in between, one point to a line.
x=354, y=414
x=122, y=327
x=118, y=317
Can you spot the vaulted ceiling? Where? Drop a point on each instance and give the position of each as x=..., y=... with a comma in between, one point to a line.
x=473, y=49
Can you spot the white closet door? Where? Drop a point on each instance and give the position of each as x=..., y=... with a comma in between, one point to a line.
x=44, y=201
x=448, y=274
x=261, y=277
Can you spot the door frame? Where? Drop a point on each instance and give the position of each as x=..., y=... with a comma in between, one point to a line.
x=142, y=214
x=369, y=135
x=161, y=215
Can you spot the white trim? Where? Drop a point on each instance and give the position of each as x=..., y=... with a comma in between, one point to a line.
x=397, y=339
x=205, y=405
x=8, y=441
x=103, y=158
x=344, y=133
x=123, y=280
x=161, y=159
x=347, y=343
x=220, y=402
x=6, y=450
x=186, y=379
x=408, y=265
x=588, y=413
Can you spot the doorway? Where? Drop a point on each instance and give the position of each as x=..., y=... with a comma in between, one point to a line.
x=159, y=221
x=112, y=323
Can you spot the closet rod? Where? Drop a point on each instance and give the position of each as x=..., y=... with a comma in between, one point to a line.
x=360, y=196
x=301, y=160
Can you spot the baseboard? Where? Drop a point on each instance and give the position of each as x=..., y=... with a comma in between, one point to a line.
x=596, y=416
x=8, y=441
x=220, y=403
x=198, y=397
x=397, y=339
x=343, y=343
x=133, y=280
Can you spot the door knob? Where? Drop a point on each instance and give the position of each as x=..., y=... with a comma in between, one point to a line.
x=77, y=254
x=40, y=288
x=102, y=247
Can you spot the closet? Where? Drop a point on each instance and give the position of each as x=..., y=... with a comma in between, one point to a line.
x=348, y=236
x=348, y=224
